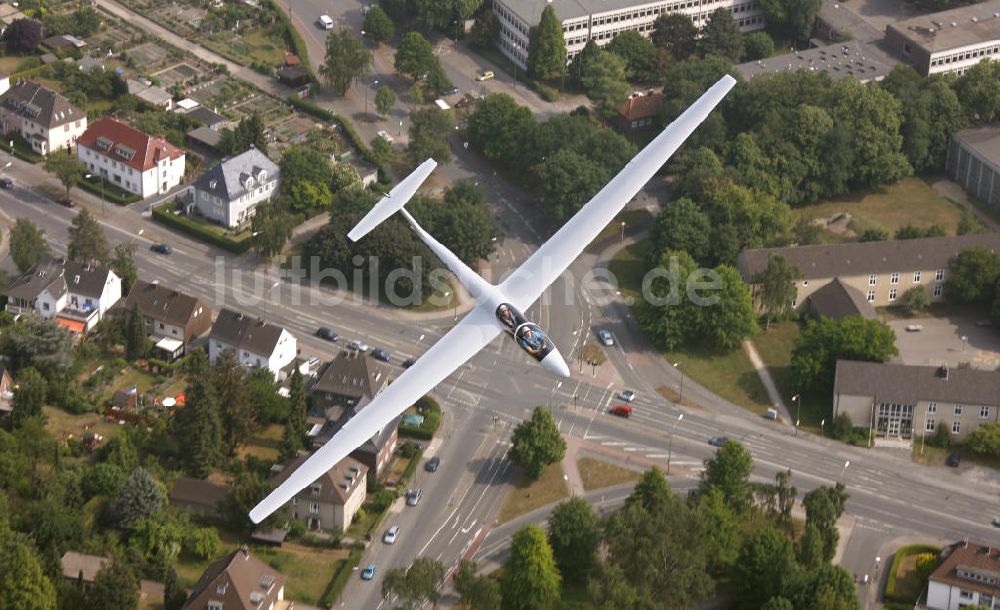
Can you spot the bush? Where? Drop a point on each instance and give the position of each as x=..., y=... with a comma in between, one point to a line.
x=163, y=214
x=407, y=450
x=202, y=542
x=383, y=500
x=110, y=192
x=897, y=559
x=296, y=529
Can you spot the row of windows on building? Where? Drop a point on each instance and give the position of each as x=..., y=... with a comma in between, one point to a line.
x=966, y=55
x=654, y=12
x=937, y=291
x=114, y=164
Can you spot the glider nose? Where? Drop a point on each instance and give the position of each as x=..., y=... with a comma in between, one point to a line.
x=554, y=363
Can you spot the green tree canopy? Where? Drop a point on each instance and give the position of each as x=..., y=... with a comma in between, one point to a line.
x=915, y=299
x=199, y=422
x=979, y=91
x=676, y=34
x=429, y=129
x=377, y=25
x=238, y=419
x=681, y=226
x=29, y=396
x=972, y=276
x=123, y=264
x=777, y=287
x=729, y=472
x=985, y=439
x=346, y=60
x=547, y=47
x=722, y=36
x=293, y=437
x=415, y=585
x=536, y=443
x=604, y=81
x=638, y=53
x=27, y=244
x=414, y=56
x=66, y=167
x=270, y=228
x=477, y=592
x=23, y=36
x=462, y=220
x=249, y=133
x=87, y=242
x=757, y=45
x=765, y=568
x=573, y=534
x=385, y=98
x=141, y=496
x=116, y=587
x=824, y=341
x=23, y=582
x=305, y=177
x=40, y=343
x=794, y=19
x=498, y=126
x=137, y=343
x=530, y=579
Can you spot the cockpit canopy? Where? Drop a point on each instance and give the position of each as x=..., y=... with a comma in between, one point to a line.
x=529, y=337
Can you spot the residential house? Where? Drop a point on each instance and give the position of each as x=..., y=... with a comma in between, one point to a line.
x=255, y=342
x=880, y=270
x=974, y=162
x=77, y=295
x=968, y=576
x=78, y=567
x=949, y=41
x=332, y=500
x=238, y=581
x=230, y=192
x=902, y=401
x=45, y=119
x=343, y=389
x=641, y=111
x=130, y=159
x=6, y=391
x=197, y=495
x=168, y=313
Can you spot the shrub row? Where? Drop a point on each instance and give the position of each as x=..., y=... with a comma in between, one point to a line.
x=22, y=150
x=29, y=73
x=110, y=193
x=164, y=215
x=343, y=571
x=902, y=553
x=310, y=108
x=326, y=115
x=294, y=39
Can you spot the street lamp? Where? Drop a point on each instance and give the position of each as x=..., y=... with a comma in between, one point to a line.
x=798, y=412
x=623, y=231
x=680, y=400
x=842, y=470
x=822, y=422
x=670, y=440
x=88, y=177
x=400, y=128
x=965, y=341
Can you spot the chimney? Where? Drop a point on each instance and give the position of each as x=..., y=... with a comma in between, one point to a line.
x=942, y=372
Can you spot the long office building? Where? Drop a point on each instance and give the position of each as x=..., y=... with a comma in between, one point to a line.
x=602, y=20
x=949, y=41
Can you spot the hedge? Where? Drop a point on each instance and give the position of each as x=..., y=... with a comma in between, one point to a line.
x=163, y=214
x=326, y=115
x=110, y=192
x=404, y=478
x=22, y=150
x=310, y=108
x=344, y=570
x=298, y=45
x=901, y=553
x=29, y=73
x=431, y=410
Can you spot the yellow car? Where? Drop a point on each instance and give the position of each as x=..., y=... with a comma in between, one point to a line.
x=484, y=75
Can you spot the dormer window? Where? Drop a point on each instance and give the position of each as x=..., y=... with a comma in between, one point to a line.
x=213, y=183
x=261, y=176
x=315, y=489
x=221, y=589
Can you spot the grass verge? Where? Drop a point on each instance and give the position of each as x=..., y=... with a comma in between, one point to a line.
x=775, y=348
x=527, y=495
x=597, y=473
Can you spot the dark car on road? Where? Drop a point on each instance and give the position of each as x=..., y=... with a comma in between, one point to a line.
x=6, y=183
x=451, y=91
x=718, y=441
x=161, y=248
x=380, y=354
x=954, y=460
x=432, y=464
x=67, y=203
x=409, y=362
x=326, y=333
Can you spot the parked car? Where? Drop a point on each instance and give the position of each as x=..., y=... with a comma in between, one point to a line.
x=325, y=22
x=390, y=535
x=627, y=395
x=380, y=354
x=385, y=136
x=996, y=522
x=718, y=441
x=369, y=572
x=451, y=91
x=6, y=183
x=359, y=345
x=484, y=75
x=954, y=460
x=67, y=203
x=409, y=362
x=326, y=333
x=432, y=464
x=413, y=496
x=161, y=248
x=914, y=328
x=606, y=337
x=622, y=411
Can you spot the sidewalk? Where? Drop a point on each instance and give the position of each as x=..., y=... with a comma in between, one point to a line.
x=952, y=191
x=768, y=381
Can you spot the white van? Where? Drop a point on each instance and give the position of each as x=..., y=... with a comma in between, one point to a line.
x=325, y=22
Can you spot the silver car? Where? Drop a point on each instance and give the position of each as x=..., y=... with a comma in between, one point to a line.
x=390, y=535
x=413, y=496
x=606, y=337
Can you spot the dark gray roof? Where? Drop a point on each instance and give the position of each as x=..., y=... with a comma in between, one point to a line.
x=88, y=280
x=837, y=300
x=336, y=484
x=984, y=140
x=958, y=27
x=351, y=373
x=530, y=11
x=910, y=384
x=822, y=261
x=206, y=117
x=862, y=60
x=227, y=179
x=46, y=275
x=245, y=332
x=161, y=303
x=40, y=105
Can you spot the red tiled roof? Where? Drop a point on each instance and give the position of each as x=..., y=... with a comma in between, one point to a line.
x=118, y=139
x=641, y=107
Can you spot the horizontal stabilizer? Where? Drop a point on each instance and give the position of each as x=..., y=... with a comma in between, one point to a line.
x=393, y=201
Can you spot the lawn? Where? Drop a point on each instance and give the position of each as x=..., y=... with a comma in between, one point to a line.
x=775, y=348
x=597, y=473
x=62, y=425
x=443, y=298
x=132, y=376
x=909, y=201
x=265, y=444
x=527, y=495
x=629, y=267
x=635, y=221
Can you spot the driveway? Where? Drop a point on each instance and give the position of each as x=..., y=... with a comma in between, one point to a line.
x=939, y=341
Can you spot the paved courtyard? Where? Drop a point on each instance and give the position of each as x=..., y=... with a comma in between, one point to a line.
x=940, y=341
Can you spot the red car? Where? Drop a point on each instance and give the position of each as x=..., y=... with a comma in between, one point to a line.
x=622, y=411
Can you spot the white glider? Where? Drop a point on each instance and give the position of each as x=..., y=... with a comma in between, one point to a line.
x=498, y=308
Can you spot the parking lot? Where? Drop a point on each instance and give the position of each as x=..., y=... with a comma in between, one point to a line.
x=952, y=340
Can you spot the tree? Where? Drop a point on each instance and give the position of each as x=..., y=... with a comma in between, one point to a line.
x=382, y=151
x=378, y=26
x=604, y=82
x=23, y=36
x=293, y=437
x=824, y=505
x=123, y=264
x=198, y=422
x=462, y=220
x=136, y=340
x=828, y=588
x=636, y=50
x=979, y=91
x=477, y=592
x=23, y=583
x=536, y=443
x=429, y=129
x=777, y=287
x=347, y=60
x=985, y=439
x=794, y=19
x=765, y=568
x=270, y=228
x=722, y=36
x=415, y=585
x=872, y=117
x=485, y=30
x=140, y=497
x=66, y=167
x=174, y=596
x=915, y=299
x=729, y=472
x=758, y=45
x=27, y=244
x=249, y=133
x=972, y=276
x=29, y=396
x=116, y=587
x=87, y=242
x=530, y=579
x=437, y=82
x=305, y=177
x=722, y=531
x=568, y=179
x=498, y=127
x=40, y=343
x=732, y=317
x=824, y=341
x=547, y=47
x=384, y=100
x=414, y=56
x=573, y=534
x=777, y=603
x=239, y=422
x=675, y=33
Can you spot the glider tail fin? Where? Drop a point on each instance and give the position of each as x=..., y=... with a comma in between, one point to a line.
x=393, y=201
